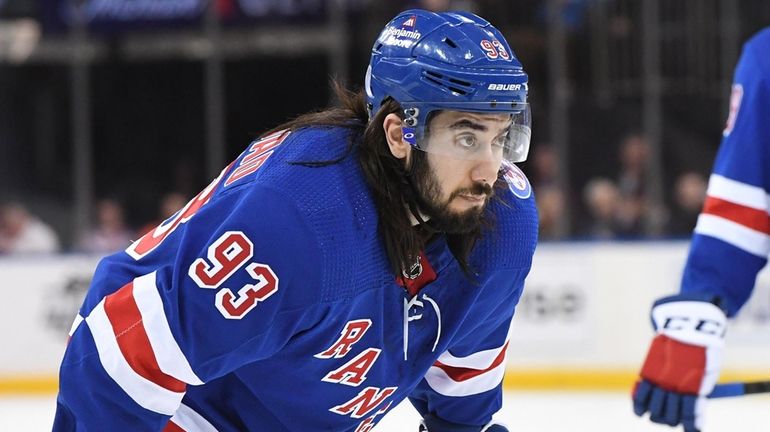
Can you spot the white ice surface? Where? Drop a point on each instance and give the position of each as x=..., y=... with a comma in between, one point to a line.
x=522, y=412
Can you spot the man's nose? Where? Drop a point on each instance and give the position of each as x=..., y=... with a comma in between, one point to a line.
x=485, y=169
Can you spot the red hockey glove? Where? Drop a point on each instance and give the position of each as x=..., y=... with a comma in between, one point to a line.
x=683, y=361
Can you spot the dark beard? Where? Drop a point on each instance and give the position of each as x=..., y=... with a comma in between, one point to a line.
x=428, y=197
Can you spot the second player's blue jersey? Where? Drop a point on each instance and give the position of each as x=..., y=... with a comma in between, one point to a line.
x=268, y=304
x=732, y=238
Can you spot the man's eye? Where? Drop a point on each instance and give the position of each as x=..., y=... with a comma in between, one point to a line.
x=466, y=141
x=501, y=142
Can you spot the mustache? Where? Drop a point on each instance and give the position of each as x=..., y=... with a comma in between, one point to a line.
x=477, y=189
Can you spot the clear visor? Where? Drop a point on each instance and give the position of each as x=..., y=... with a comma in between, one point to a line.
x=468, y=135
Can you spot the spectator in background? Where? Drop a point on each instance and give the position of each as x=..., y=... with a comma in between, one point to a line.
x=110, y=233
x=633, y=207
x=689, y=195
x=602, y=200
x=550, y=206
x=170, y=203
x=23, y=233
x=545, y=166
x=551, y=201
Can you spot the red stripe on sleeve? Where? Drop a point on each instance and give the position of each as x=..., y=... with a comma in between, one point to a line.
x=758, y=220
x=461, y=374
x=172, y=427
x=132, y=339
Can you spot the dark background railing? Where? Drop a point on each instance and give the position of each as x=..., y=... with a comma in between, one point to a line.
x=132, y=100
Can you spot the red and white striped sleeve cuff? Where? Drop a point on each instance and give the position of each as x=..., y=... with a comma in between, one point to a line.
x=137, y=349
x=187, y=420
x=465, y=376
x=737, y=213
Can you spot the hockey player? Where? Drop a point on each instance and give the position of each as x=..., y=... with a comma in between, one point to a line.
x=345, y=261
x=729, y=247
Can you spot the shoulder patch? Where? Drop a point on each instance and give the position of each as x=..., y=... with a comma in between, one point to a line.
x=735, y=105
x=517, y=181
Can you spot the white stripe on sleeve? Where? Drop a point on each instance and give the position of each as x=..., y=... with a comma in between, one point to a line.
x=189, y=420
x=443, y=384
x=472, y=374
x=747, y=239
x=146, y=393
x=477, y=360
x=170, y=358
x=75, y=324
x=739, y=193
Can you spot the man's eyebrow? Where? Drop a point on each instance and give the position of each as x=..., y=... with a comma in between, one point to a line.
x=468, y=124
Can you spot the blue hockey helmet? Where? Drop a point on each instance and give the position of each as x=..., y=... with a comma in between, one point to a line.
x=455, y=61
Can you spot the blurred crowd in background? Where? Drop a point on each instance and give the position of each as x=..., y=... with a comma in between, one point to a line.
x=604, y=171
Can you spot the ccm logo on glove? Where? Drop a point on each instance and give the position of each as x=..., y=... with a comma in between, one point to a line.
x=708, y=326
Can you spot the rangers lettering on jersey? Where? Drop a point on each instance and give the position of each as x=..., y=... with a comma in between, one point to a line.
x=365, y=402
x=368, y=424
x=354, y=372
x=352, y=333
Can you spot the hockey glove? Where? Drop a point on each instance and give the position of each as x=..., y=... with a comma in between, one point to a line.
x=683, y=361
x=435, y=424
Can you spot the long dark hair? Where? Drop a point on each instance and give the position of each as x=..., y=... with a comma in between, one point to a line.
x=387, y=176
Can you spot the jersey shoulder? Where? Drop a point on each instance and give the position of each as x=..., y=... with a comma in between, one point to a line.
x=509, y=242
x=755, y=57
x=317, y=170
x=279, y=157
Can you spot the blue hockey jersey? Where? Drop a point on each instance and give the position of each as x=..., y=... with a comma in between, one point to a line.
x=267, y=304
x=731, y=242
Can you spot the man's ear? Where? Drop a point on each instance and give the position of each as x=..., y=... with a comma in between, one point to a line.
x=399, y=147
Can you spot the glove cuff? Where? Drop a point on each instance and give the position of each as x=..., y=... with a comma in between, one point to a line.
x=690, y=319
x=693, y=296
